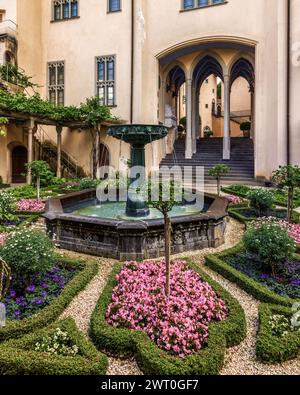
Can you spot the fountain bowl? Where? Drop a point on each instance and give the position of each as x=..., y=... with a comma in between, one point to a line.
x=132, y=239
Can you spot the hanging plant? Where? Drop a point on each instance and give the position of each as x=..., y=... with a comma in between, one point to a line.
x=3, y=123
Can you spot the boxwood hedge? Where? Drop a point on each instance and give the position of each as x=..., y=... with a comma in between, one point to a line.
x=18, y=356
x=151, y=359
x=237, y=213
x=50, y=313
x=217, y=262
x=270, y=348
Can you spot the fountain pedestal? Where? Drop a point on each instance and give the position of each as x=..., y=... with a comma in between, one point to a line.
x=138, y=136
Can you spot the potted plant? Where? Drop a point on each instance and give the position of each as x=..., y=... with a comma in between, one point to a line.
x=208, y=133
x=245, y=128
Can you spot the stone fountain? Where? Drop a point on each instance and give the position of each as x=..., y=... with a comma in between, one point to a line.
x=129, y=230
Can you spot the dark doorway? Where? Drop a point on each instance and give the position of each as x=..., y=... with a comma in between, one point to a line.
x=19, y=159
x=103, y=155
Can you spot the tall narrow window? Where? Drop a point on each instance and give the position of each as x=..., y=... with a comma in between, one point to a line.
x=106, y=79
x=114, y=5
x=56, y=83
x=64, y=9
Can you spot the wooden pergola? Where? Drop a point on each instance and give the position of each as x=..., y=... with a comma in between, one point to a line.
x=30, y=123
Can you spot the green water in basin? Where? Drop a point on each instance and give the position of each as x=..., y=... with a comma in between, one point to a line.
x=117, y=210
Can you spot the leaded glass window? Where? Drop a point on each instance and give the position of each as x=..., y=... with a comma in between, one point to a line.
x=56, y=83
x=106, y=79
x=65, y=9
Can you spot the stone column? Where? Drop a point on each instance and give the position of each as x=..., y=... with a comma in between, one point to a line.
x=226, y=138
x=188, y=143
x=58, y=136
x=30, y=132
x=252, y=113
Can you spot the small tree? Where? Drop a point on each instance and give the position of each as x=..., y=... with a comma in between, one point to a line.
x=217, y=172
x=166, y=197
x=245, y=128
x=289, y=177
x=93, y=113
x=39, y=169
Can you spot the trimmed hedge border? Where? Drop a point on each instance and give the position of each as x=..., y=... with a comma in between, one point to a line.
x=217, y=263
x=236, y=212
x=51, y=312
x=243, y=195
x=151, y=359
x=18, y=357
x=272, y=349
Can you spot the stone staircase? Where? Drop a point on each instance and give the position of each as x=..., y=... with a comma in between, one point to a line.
x=209, y=154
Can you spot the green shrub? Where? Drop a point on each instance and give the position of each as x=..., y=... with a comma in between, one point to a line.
x=24, y=192
x=88, y=183
x=19, y=357
x=57, y=343
x=272, y=244
x=8, y=206
x=154, y=361
x=239, y=190
x=28, y=252
x=261, y=200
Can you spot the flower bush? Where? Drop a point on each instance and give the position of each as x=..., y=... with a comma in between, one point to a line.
x=280, y=325
x=233, y=199
x=260, y=200
x=25, y=299
x=271, y=244
x=32, y=205
x=293, y=229
x=178, y=324
x=28, y=252
x=59, y=343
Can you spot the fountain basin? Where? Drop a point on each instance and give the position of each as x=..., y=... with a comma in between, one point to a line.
x=126, y=239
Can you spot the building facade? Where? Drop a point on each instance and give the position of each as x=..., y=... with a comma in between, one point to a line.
x=149, y=60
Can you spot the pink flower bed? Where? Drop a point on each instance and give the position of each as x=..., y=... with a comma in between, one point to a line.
x=293, y=229
x=233, y=199
x=3, y=237
x=179, y=324
x=31, y=205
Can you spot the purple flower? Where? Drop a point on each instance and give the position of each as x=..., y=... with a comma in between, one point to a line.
x=17, y=313
x=295, y=282
x=45, y=286
x=44, y=294
x=38, y=301
x=31, y=288
x=264, y=276
x=12, y=294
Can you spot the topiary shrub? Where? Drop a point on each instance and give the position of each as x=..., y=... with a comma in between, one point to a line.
x=261, y=200
x=8, y=206
x=272, y=244
x=28, y=252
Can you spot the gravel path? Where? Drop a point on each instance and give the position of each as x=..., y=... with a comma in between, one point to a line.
x=82, y=307
x=239, y=360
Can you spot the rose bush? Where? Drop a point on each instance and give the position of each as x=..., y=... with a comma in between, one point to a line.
x=178, y=324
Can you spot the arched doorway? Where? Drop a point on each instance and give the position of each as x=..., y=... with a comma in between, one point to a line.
x=104, y=159
x=19, y=157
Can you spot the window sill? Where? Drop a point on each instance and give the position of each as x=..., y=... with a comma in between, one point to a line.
x=204, y=6
x=64, y=19
x=114, y=12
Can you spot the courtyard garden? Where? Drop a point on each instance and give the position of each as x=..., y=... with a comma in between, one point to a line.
x=233, y=309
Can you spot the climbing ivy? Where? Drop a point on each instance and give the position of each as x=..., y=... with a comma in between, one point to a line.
x=90, y=112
